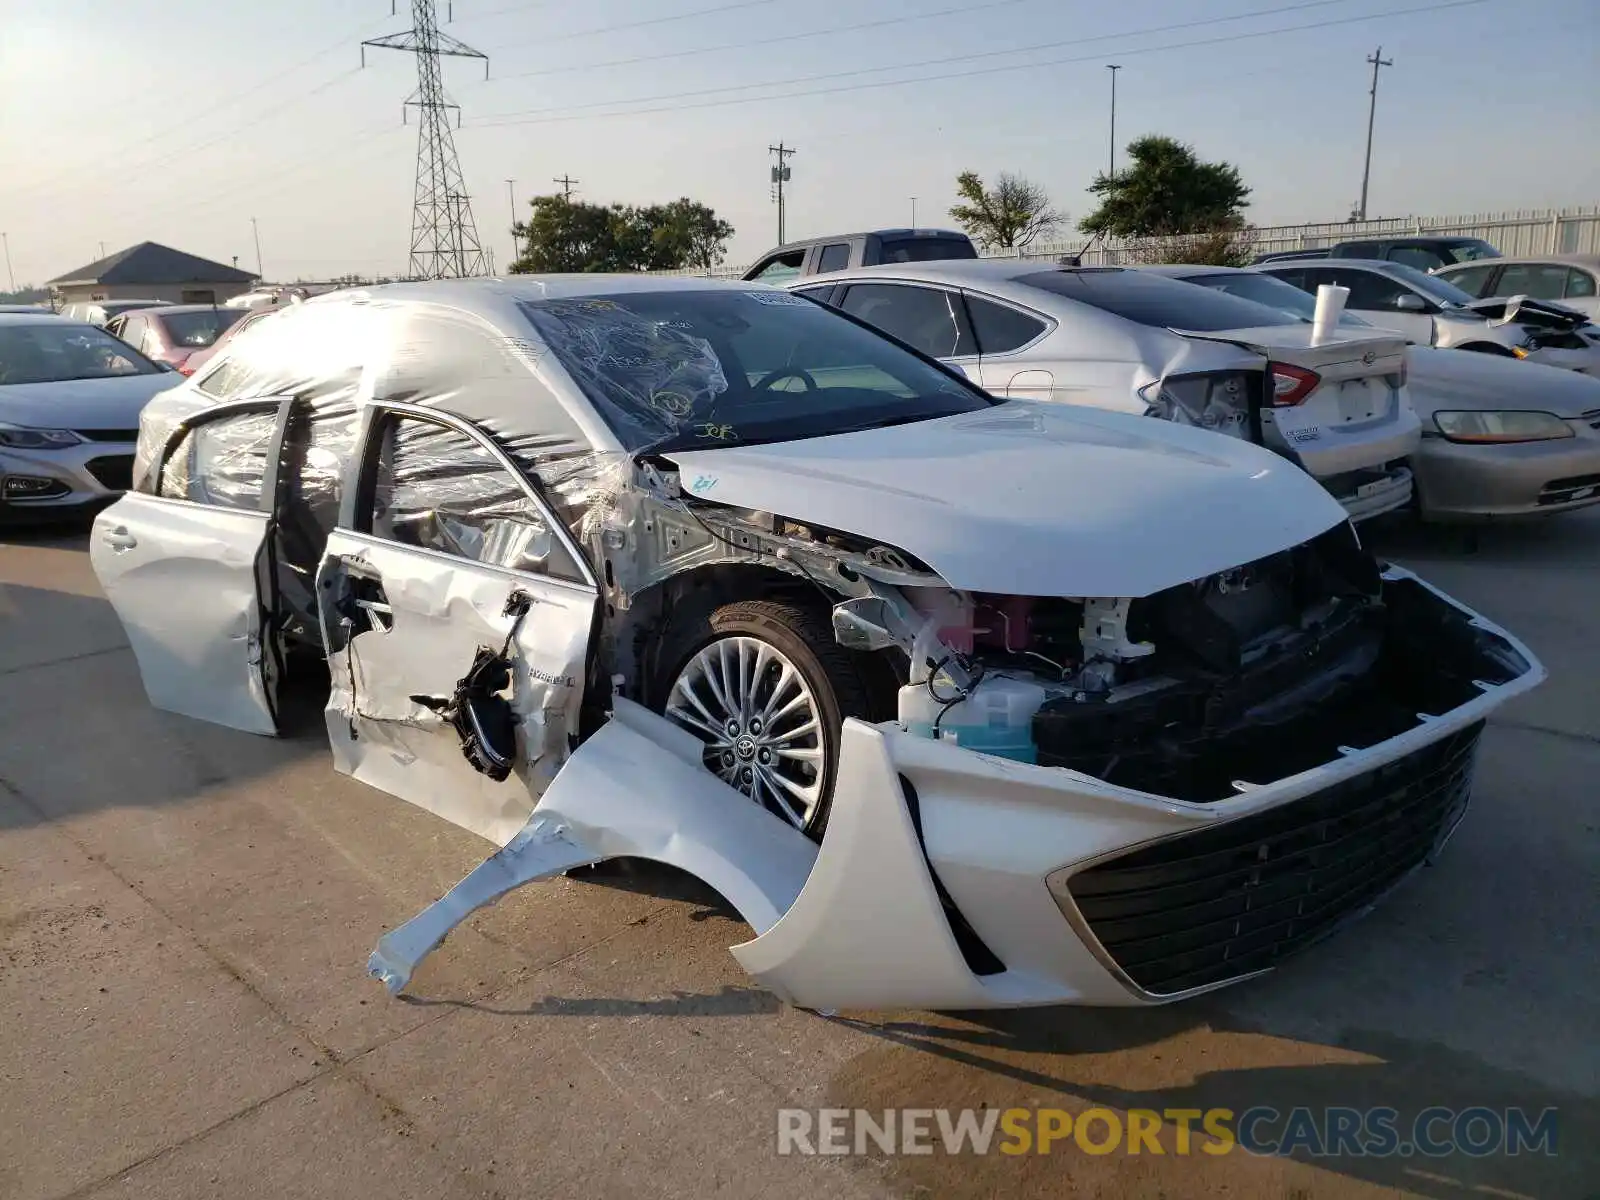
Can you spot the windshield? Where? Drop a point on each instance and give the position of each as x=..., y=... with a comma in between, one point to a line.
x=708, y=369
x=1154, y=300
x=1430, y=285
x=53, y=351
x=198, y=328
x=1264, y=289
x=1468, y=251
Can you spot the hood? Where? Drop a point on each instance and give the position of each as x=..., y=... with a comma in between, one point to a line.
x=1460, y=379
x=1536, y=314
x=1034, y=499
x=82, y=403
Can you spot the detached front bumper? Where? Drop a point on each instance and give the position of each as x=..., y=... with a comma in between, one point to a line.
x=54, y=485
x=951, y=879
x=1456, y=481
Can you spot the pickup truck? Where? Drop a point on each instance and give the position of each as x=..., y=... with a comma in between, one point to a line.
x=1422, y=252
x=841, y=251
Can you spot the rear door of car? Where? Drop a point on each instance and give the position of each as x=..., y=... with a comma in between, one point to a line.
x=925, y=317
x=444, y=549
x=189, y=569
x=1004, y=333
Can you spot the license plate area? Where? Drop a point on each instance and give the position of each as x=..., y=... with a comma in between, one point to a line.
x=1359, y=400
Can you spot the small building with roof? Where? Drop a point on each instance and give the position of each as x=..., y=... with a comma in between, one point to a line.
x=151, y=271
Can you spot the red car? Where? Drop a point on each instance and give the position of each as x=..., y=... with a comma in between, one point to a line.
x=174, y=333
x=248, y=318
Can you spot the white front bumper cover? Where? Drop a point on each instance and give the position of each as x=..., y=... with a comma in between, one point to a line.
x=946, y=878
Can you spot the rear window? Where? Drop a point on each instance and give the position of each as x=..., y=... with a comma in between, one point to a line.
x=928, y=249
x=198, y=328
x=1157, y=301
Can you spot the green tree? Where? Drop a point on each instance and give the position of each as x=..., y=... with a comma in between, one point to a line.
x=1007, y=216
x=563, y=235
x=1166, y=190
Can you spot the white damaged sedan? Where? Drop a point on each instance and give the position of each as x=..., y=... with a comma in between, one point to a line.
x=960, y=701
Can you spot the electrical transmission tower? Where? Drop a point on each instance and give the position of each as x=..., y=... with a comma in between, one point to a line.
x=444, y=238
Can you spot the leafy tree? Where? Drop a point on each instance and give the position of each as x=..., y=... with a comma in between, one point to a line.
x=564, y=235
x=1166, y=190
x=1007, y=216
x=1219, y=248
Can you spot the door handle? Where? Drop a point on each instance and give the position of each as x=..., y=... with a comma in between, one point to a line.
x=119, y=538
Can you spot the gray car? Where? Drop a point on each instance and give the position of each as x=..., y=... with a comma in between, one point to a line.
x=1500, y=438
x=1126, y=340
x=1571, y=280
x=1433, y=312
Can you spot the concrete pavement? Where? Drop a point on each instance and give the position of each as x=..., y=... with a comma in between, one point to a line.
x=185, y=913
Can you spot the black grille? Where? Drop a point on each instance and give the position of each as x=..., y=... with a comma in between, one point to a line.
x=114, y=471
x=1224, y=902
x=108, y=435
x=1560, y=491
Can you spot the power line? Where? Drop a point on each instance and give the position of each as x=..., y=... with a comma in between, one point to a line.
x=927, y=62
x=560, y=115
x=772, y=41
x=583, y=33
x=114, y=163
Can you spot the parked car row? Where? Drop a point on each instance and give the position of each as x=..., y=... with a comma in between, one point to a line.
x=961, y=698
x=1496, y=437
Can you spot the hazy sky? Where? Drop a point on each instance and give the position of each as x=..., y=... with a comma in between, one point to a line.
x=179, y=120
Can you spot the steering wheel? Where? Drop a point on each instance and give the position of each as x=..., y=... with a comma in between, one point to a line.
x=771, y=377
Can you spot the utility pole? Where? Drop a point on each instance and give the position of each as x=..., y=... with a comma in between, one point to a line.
x=6, y=238
x=566, y=187
x=444, y=237
x=511, y=191
x=102, y=249
x=1377, y=60
x=256, y=233
x=780, y=176
x=1113, y=68
x=913, y=212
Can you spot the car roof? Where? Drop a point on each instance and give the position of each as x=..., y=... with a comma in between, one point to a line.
x=1185, y=270
x=953, y=272
x=1415, y=239
x=906, y=231
x=1375, y=264
x=1591, y=261
x=167, y=310
x=39, y=318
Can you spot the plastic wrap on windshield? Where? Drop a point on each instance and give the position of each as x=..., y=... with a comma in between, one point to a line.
x=222, y=462
x=652, y=379
x=441, y=490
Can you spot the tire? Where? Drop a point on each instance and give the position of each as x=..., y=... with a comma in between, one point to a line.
x=762, y=757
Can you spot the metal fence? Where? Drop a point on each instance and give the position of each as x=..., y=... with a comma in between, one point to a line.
x=1524, y=232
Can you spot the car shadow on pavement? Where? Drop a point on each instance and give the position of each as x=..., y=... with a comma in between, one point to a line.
x=1068, y=1057
x=1564, y=539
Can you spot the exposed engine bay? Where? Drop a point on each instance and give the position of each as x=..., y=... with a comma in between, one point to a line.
x=1198, y=692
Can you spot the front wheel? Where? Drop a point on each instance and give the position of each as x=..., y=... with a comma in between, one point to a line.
x=765, y=687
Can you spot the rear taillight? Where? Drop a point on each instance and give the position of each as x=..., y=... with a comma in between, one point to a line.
x=1291, y=385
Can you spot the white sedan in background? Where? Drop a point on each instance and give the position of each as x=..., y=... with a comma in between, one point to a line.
x=70, y=397
x=1110, y=337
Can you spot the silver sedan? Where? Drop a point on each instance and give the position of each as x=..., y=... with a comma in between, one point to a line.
x=1500, y=437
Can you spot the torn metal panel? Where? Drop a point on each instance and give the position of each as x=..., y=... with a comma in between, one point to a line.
x=402, y=623
x=183, y=579
x=635, y=789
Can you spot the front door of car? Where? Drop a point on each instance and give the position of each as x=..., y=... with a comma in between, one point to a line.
x=930, y=319
x=446, y=559
x=190, y=569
